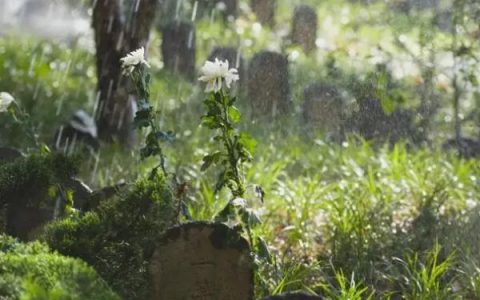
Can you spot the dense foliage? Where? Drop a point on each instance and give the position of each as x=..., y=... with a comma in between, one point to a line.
x=119, y=237
x=377, y=211
x=32, y=271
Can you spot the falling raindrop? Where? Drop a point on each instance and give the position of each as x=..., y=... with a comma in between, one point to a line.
x=137, y=4
x=190, y=39
x=194, y=12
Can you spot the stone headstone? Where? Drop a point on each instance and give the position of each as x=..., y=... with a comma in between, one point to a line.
x=265, y=11
x=304, y=27
x=293, y=296
x=178, y=48
x=9, y=154
x=228, y=8
x=464, y=147
x=268, y=85
x=82, y=193
x=234, y=57
x=104, y=194
x=322, y=107
x=370, y=120
x=202, y=261
x=81, y=128
x=24, y=222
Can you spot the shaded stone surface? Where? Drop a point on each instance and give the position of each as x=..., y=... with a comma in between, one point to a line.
x=268, y=85
x=81, y=128
x=265, y=11
x=178, y=48
x=202, y=261
x=9, y=154
x=103, y=194
x=304, y=27
x=227, y=7
x=465, y=147
x=23, y=222
x=372, y=123
x=293, y=296
x=235, y=60
x=322, y=107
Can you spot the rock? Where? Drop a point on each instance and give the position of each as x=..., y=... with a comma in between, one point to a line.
x=235, y=60
x=201, y=260
x=372, y=123
x=304, y=27
x=178, y=48
x=82, y=193
x=9, y=154
x=268, y=85
x=465, y=147
x=80, y=129
x=229, y=8
x=322, y=107
x=370, y=120
x=293, y=296
x=265, y=11
x=103, y=194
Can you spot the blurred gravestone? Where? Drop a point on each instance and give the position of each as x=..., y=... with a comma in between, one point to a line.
x=9, y=154
x=178, y=48
x=81, y=128
x=370, y=120
x=424, y=4
x=265, y=11
x=293, y=296
x=234, y=57
x=304, y=27
x=23, y=222
x=268, y=85
x=228, y=8
x=464, y=147
x=372, y=123
x=322, y=108
x=202, y=261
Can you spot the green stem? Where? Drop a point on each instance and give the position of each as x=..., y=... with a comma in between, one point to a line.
x=240, y=190
x=160, y=154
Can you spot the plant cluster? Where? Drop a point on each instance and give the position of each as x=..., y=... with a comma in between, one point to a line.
x=33, y=271
x=118, y=238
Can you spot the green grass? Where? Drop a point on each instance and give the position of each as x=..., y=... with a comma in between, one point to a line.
x=356, y=220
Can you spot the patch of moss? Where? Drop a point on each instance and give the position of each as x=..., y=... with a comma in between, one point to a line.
x=118, y=238
x=32, y=271
x=28, y=189
x=32, y=177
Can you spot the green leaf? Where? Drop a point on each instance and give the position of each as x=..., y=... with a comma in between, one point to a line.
x=234, y=114
x=247, y=142
x=208, y=160
x=262, y=250
x=211, y=122
x=168, y=136
x=226, y=214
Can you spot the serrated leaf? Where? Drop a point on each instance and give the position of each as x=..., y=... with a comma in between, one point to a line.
x=262, y=250
x=208, y=160
x=247, y=142
x=226, y=214
x=234, y=114
x=168, y=136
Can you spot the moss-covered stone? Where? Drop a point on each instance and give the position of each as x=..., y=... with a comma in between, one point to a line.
x=118, y=238
x=28, y=188
x=32, y=271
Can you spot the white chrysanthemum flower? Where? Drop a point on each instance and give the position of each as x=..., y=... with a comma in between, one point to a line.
x=133, y=59
x=5, y=100
x=215, y=73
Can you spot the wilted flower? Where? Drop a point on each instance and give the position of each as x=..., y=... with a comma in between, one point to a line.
x=5, y=100
x=132, y=60
x=214, y=73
